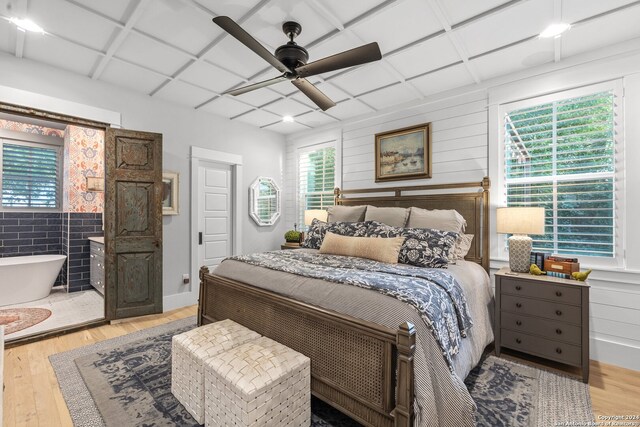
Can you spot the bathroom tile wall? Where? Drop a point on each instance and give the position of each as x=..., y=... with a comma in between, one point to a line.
x=81, y=226
x=31, y=233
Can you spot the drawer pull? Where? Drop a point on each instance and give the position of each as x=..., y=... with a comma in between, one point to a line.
x=559, y=331
x=559, y=350
x=518, y=323
x=558, y=312
x=518, y=287
x=518, y=340
x=518, y=305
x=92, y=256
x=558, y=293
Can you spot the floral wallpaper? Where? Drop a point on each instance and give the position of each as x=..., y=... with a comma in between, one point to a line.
x=83, y=157
x=27, y=128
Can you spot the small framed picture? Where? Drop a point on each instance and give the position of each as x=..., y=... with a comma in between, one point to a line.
x=170, y=194
x=404, y=153
x=95, y=184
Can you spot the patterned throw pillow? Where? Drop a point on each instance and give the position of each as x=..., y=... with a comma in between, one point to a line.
x=315, y=235
x=461, y=248
x=423, y=247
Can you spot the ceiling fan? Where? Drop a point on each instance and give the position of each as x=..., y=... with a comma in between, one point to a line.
x=291, y=60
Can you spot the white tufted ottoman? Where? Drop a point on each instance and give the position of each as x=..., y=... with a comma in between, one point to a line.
x=260, y=383
x=189, y=351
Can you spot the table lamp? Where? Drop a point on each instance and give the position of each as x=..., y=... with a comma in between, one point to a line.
x=520, y=221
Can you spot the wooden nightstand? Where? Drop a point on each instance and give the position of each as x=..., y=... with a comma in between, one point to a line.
x=543, y=316
x=290, y=246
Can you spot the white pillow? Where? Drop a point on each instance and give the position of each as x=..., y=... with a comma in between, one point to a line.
x=437, y=219
x=461, y=247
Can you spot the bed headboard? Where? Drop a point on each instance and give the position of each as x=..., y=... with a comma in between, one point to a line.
x=470, y=199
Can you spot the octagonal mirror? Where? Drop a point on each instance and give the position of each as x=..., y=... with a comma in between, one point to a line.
x=264, y=203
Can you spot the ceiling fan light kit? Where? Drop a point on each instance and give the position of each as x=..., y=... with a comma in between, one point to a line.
x=291, y=60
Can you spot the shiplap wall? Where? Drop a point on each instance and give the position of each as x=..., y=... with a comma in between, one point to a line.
x=461, y=142
x=458, y=134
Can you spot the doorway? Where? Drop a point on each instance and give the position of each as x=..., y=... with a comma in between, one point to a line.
x=215, y=214
x=216, y=183
x=130, y=258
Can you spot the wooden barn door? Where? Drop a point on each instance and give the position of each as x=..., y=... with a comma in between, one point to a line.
x=133, y=223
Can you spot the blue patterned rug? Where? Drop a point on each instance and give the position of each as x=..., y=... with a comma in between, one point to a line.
x=126, y=381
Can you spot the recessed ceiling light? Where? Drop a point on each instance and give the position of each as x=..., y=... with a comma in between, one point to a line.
x=288, y=119
x=554, y=30
x=26, y=25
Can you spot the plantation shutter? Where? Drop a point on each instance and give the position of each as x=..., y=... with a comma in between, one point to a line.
x=316, y=179
x=30, y=175
x=562, y=155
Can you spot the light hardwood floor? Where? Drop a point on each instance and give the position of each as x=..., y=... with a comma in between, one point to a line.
x=32, y=396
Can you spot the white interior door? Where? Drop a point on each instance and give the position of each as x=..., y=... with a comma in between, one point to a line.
x=215, y=214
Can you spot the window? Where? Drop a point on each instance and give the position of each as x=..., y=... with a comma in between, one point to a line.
x=560, y=153
x=316, y=178
x=30, y=175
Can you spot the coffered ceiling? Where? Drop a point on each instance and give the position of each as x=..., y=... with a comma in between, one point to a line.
x=170, y=49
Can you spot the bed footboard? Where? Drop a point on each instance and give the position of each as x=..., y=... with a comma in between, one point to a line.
x=359, y=367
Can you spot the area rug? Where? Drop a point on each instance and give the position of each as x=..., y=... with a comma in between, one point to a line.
x=17, y=319
x=126, y=381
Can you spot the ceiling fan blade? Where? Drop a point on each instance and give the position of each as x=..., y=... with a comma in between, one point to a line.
x=249, y=88
x=313, y=93
x=359, y=55
x=235, y=30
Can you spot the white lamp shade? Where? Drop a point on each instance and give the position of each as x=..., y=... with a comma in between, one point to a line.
x=520, y=220
x=312, y=214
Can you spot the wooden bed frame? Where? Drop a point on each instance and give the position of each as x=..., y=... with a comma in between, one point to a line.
x=361, y=368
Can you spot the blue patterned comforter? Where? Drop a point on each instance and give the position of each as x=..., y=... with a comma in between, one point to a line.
x=433, y=292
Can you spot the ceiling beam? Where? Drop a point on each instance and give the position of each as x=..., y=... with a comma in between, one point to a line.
x=436, y=7
x=361, y=18
x=210, y=46
x=136, y=13
x=557, y=42
x=20, y=9
x=323, y=11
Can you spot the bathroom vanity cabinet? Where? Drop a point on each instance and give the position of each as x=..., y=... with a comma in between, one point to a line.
x=97, y=265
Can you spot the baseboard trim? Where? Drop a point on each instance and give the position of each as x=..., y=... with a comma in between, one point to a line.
x=615, y=353
x=171, y=302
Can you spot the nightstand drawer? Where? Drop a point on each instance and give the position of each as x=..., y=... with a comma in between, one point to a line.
x=563, y=294
x=546, y=328
x=561, y=352
x=535, y=307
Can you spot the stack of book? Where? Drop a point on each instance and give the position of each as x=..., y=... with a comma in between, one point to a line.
x=538, y=259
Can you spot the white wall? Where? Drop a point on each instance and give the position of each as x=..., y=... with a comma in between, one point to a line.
x=465, y=149
x=262, y=152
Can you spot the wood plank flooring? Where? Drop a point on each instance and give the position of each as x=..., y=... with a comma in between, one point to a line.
x=32, y=396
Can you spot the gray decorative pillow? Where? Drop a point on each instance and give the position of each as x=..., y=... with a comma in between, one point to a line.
x=317, y=230
x=346, y=213
x=395, y=217
x=438, y=219
x=422, y=247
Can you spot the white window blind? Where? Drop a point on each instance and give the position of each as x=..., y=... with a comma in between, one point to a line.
x=316, y=179
x=30, y=175
x=561, y=155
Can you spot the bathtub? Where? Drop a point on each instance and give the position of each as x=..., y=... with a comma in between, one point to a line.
x=28, y=278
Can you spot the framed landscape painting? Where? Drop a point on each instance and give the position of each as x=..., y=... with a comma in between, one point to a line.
x=404, y=153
